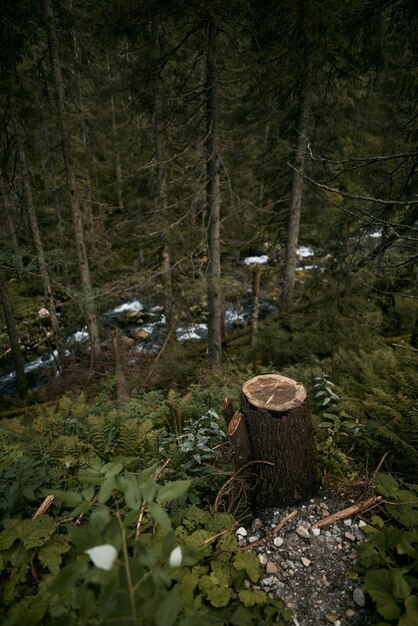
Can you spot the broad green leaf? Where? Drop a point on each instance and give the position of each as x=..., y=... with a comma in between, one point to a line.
x=241, y=617
x=106, y=489
x=168, y=610
x=37, y=532
x=69, y=576
x=218, y=596
x=160, y=515
x=50, y=555
x=251, y=598
x=67, y=498
x=400, y=586
x=173, y=490
x=378, y=584
x=247, y=561
x=387, y=486
x=148, y=489
x=131, y=491
x=410, y=618
x=188, y=584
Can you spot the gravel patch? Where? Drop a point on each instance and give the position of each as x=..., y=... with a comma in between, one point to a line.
x=311, y=570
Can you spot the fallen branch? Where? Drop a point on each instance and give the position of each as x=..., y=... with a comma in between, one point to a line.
x=351, y=510
x=43, y=507
x=272, y=532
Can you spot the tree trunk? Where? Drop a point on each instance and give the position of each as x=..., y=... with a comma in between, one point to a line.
x=18, y=361
x=12, y=234
x=39, y=248
x=297, y=192
x=255, y=305
x=118, y=164
x=161, y=176
x=213, y=200
x=88, y=307
x=281, y=440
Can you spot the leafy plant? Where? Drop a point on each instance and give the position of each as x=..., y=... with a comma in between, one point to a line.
x=389, y=559
x=118, y=554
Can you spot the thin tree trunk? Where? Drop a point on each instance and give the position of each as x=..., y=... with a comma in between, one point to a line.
x=39, y=247
x=161, y=174
x=72, y=187
x=12, y=234
x=297, y=192
x=213, y=200
x=47, y=167
x=18, y=361
x=118, y=164
x=255, y=305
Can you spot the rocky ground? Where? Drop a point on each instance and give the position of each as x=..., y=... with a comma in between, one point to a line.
x=311, y=570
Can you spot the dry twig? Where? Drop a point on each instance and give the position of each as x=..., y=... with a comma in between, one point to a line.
x=351, y=510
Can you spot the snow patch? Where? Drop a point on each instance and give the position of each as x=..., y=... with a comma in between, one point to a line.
x=305, y=251
x=256, y=260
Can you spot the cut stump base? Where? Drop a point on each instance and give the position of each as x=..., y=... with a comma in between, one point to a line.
x=281, y=440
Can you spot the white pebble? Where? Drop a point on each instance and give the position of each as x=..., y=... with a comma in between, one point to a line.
x=302, y=532
x=241, y=532
x=278, y=541
x=358, y=597
x=362, y=523
x=306, y=562
x=348, y=521
x=316, y=532
x=263, y=559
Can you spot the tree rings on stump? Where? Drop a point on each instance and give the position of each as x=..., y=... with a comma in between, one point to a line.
x=281, y=440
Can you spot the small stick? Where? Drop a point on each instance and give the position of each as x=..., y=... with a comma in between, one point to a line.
x=351, y=510
x=233, y=477
x=43, y=507
x=204, y=543
x=269, y=534
x=139, y=521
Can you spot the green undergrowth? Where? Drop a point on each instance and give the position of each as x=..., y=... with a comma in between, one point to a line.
x=136, y=482
x=388, y=560
x=139, y=480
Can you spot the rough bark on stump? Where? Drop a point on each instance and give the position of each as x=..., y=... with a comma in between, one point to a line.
x=280, y=432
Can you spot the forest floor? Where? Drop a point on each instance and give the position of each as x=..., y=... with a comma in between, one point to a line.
x=311, y=571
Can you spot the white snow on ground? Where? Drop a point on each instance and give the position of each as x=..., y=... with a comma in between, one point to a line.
x=305, y=268
x=134, y=305
x=256, y=260
x=305, y=251
x=78, y=337
x=185, y=334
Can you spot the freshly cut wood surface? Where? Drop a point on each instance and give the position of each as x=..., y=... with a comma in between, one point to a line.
x=274, y=392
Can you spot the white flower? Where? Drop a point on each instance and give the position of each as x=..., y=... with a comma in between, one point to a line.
x=176, y=557
x=103, y=556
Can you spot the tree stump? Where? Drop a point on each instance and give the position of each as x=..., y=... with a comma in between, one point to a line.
x=280, y=435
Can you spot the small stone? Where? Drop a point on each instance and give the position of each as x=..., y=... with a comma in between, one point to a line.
x=241, y=532
x=348, y=521
x=350, y=536
x=326, y=581
x=306, y=562
x=271, y=568
x=358, y=597
x=302, y=532
x=263, y=559
x=270, y=581
x=350, y=613
x=290, y=565
x=362, y=523
x=253, y=538
x=337, y=622
x=316, y=532
x=278, y=541
x=257, y=524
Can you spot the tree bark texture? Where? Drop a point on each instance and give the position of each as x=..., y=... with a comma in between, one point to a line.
x=39, y=247
x=281, y=440
x=297, y=191
x=18, y=361
x=213, y=200
x=255, y=304
x=74, y=199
